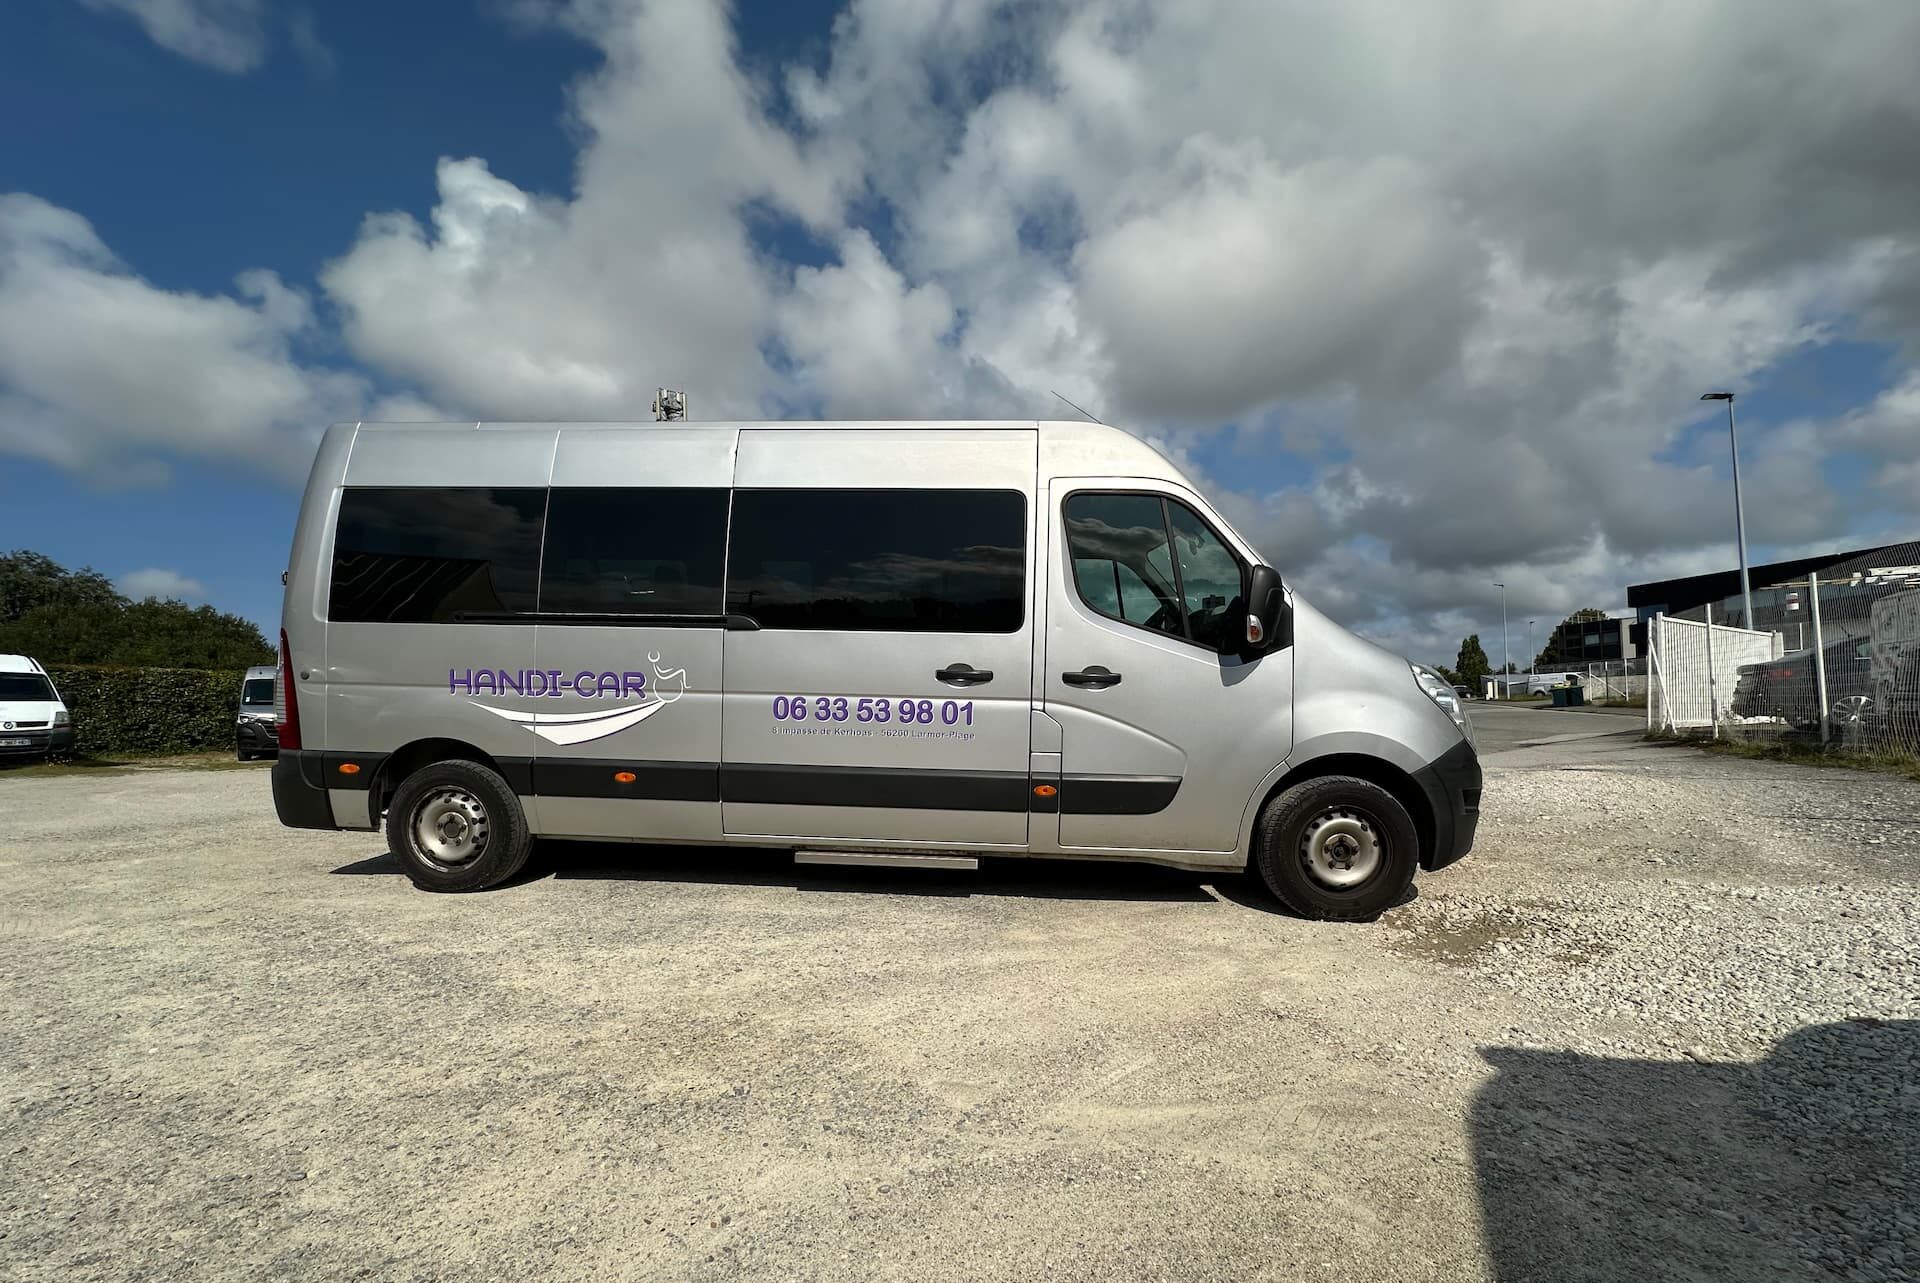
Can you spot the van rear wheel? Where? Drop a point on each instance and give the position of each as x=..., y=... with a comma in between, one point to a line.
x=1337, y=849
x=456, y=826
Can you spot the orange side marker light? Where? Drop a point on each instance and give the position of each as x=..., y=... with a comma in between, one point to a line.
x=349, y=768
x=624, y=777
x=1044, y=790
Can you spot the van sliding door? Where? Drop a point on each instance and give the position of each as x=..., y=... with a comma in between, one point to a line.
x=883, y=690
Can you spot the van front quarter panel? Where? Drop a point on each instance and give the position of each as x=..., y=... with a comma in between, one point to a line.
x=1358, y=711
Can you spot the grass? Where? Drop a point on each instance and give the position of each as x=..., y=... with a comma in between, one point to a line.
x=1802, y=753
x=123, y=763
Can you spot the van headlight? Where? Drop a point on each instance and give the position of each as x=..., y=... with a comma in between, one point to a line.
x=1440, y=691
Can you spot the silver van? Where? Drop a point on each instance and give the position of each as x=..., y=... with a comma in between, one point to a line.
x=908, y=643
x=256, y=732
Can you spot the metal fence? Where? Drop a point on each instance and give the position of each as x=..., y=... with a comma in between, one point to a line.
x=1617, y=681
x=1838, y=665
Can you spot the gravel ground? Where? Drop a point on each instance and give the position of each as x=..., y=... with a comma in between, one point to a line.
x=1663, y=1023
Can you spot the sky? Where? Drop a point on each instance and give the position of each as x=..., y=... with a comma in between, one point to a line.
x=1423, y=296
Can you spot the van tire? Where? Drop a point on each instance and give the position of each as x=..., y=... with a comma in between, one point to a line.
x=476, y=809
x=1304, y=836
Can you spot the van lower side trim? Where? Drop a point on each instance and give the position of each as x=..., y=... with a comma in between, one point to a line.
x=652, y=781
x=1117, y=794
x=904, y=790
x=785, y=785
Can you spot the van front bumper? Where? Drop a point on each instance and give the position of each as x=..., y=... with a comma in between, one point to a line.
x=38, y=743
x=1452, y=785
x=298, y=798
x=256, y=737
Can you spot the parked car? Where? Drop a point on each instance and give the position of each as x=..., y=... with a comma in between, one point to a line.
x=34, y=721
x=1788, y=687
x=1464, y=692
x=256, y=730
x=1896, y=662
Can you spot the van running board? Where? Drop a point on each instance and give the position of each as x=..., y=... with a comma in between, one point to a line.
x=890, y=860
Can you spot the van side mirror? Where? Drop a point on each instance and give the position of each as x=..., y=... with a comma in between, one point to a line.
x=1269, y=623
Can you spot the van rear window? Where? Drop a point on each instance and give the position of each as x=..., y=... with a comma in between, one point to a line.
x=880, y=560
x=419, y=555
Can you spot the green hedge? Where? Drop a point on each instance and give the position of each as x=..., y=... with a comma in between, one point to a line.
x=149, y=710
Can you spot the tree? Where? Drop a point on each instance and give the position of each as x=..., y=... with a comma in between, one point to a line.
x=62, y=616
x=29, y=580
x=1472, y=665
x=1550, y=656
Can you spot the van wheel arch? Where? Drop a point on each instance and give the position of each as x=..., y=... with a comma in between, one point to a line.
x=1405, y=789
x=408, y=758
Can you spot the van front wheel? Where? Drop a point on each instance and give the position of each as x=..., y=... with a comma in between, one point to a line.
x=1337, y=848
x=456, y=826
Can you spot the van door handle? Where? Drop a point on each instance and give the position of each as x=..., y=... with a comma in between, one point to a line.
x=963, y=675
x=1097, y=677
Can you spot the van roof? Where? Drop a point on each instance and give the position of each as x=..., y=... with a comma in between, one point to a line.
x=19, y=664
x=984, y=425
x=1090, y=448
x=260, y=670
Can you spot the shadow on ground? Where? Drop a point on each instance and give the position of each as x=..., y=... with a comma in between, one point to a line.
x=733, y=866
x=1801, y=1166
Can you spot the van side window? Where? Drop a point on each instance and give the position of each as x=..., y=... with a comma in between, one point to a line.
x=1121, y=559
x=947, y=561
x=1153, y=562
x=1213, y=583
x=633, y=552
x=421, y=555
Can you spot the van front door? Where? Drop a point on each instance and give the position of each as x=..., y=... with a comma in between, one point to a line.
x=879, y=659
x=1165, y=732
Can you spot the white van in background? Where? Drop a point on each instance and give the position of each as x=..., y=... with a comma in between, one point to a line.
x=256, y=730
x=34, y=721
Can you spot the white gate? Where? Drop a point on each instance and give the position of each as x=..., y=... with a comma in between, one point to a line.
x=1695, y=669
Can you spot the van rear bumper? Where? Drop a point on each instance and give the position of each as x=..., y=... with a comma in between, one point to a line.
x=1452, y=785
x=298, y=798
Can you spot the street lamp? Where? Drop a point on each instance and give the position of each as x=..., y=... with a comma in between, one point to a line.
x=1506, y=653
x=1530, y=655
x=1739, y=513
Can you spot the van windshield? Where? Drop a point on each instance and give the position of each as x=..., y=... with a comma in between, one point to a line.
x=258, y=690
x=27, y=686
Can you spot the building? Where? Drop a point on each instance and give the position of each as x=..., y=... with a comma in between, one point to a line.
x=1592, y=641
x=1849, y=583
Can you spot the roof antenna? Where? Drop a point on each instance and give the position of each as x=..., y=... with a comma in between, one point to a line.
x=1095, y=418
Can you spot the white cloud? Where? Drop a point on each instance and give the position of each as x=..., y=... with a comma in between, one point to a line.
x=538, y=307
x=106, y=374
x=312, y=51
x=168, y=585
x=227, y=35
